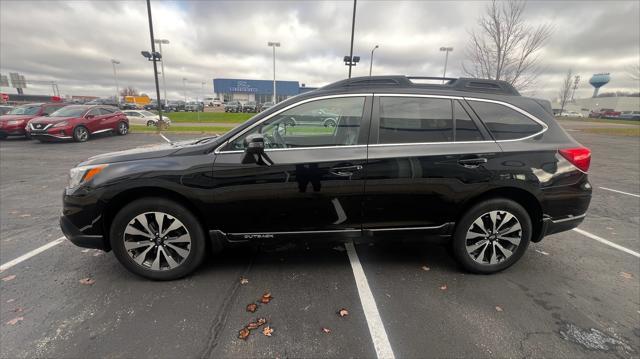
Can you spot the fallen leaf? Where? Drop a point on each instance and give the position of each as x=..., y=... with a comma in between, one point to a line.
x=251, y=308
x=10, y=300
x=8, y=278
x=243, y=280
x=498, y=308
x=244, y=333
x=267, y=331
x=343, y=312
x=14, y=321
x=261, y=321
x=425, y=268
x=98, y=253
x=87, y=281
x=252, y=326
x=624, y=275
x=85, y=250
x=443, y=287
x=542, y=252
x=18, y=310
x=24, y=215
x=326, y=330
x=266, y=298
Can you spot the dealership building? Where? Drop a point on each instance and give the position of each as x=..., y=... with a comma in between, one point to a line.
x=260, y=91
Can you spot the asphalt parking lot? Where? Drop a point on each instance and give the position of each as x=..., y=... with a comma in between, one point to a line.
x=570, y=296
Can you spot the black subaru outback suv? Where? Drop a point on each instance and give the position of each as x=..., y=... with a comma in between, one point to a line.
x=470, y=162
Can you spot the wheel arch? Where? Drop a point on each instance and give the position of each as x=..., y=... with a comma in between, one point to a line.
x=523, y=197
x=115, y=204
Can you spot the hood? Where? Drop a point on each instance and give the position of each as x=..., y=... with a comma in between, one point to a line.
x=47, y=119
x=150, y=151
x=16, y=117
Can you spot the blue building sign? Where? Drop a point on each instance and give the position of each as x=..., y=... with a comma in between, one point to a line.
x=255, y=90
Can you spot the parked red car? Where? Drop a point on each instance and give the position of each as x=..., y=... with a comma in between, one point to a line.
x=14, y=122
x=604, y=113
x=78, y=122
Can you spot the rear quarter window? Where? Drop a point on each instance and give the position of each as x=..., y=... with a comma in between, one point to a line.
x=503, y=122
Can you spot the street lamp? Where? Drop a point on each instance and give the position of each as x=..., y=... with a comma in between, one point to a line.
x=371, y=63
x=164, y=83
x=274, y=45
x=351, y=61
x=446, y=58
x=115, y=62
x=184, y=87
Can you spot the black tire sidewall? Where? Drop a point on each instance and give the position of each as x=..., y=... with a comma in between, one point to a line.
x=128, y=212
x=458, y=243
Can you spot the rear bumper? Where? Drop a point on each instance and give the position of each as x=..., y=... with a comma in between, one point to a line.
x=80, y=239
x=556, y=225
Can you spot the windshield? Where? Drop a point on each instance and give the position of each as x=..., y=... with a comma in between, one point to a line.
x=69, y=111
x=25, y=110
x=147, y=113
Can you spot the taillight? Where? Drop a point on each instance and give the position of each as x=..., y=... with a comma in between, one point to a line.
x=578, y=156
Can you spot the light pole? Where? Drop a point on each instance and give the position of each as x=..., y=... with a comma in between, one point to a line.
x=154, y=56
x=184, y=88
x=446, y=58
x=115, y=62
x=164, y=83
x=201, y=100
x=274, y=45
x=371, y=63
x=353, y=28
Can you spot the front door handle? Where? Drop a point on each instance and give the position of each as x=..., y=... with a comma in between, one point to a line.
x=472, y=162
x=345, y=170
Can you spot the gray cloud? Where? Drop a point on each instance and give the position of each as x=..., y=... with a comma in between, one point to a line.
x=72, y=42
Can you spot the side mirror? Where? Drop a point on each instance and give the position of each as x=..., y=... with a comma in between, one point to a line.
x=254, y=150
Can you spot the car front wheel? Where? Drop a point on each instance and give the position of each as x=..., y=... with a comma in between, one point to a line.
x=492, y=236
x=123, y=128
x=157, y=239
x=80, y=134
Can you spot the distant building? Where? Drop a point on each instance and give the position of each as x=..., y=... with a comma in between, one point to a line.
x=260, y=91
x=584, y=105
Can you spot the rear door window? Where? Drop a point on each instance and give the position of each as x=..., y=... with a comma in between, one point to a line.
x=465, y=128
x=415, y=120
x=503, y=122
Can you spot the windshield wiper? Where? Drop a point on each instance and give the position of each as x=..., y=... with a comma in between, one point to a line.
x=205, y=139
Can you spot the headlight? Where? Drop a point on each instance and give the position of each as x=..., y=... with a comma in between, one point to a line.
x=13, y=122
x=79, y=175
x=61, y=124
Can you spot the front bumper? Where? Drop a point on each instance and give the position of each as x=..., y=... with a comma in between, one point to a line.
x=80, y=239
x=61, y=133
x=12, y=130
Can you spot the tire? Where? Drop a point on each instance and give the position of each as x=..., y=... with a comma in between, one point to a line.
x=329, y=122
x=150, y=123
x=80, y=134
x=483, y=247
x=123, y=129
x=175, y=260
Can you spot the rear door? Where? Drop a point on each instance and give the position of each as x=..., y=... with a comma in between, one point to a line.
x=316, y=182
x=427, y=155
x=92, y=120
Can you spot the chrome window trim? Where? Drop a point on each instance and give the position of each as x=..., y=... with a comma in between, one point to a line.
x=296, y=232
x=101, y=131
x=299, y=148
x=218, y=149
x=428, y=143
x=517, y=109
x=418, y=95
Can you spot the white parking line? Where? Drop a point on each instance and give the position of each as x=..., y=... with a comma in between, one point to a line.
x=615, y=190
x=609, y=243
x=376, y=328
x=28, y=255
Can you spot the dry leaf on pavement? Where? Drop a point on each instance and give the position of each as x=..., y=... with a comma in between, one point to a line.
x=8, y=278
x=252, y=326
x=266, y=298
x=14, y=321
x=498, y=308
x=267, y=331
x=243, y=280
x=87, y=281
x=243, y=334
x=624, y=275
x=326, y=330
x=252, y=307
x=443, y=287
x=425, y=268
x=343, y=312
x=261, y=321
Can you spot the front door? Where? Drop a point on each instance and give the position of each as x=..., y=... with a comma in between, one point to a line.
x=316, y=180
x=427, y=156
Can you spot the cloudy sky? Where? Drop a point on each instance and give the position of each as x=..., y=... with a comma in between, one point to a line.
x=73, y=42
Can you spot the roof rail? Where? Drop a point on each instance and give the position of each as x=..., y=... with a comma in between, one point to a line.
x=400, y=81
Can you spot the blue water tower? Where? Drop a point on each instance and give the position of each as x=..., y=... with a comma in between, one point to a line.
x=599, y=80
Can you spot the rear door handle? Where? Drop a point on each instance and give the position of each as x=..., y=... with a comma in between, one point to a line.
x=472, y=162
x=345, y=170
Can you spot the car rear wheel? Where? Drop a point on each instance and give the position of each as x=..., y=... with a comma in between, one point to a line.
x=491, y=236
x=157, y=239
x=80, y=134
x=123, y=128
x=150, y=123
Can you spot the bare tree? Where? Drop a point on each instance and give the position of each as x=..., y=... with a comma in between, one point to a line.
x=634, y=72
x=505, y=47
x=565, y=90
x=128, y=91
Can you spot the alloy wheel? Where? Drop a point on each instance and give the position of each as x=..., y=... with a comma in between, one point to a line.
x=83, y=134
x=493, y=237
x=123, y=128
x=157, y=241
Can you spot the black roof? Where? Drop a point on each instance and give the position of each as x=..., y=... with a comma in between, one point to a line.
x=405, y=82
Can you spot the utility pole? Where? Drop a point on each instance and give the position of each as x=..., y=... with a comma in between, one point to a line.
x=155, y=66
x=371, y=63
x=353, y=28
x=446, y=59
x=164, y=83
x=184, y=88
x=274, y=45
x=115, y=62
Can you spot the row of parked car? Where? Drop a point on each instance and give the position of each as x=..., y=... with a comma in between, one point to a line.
x=61, y=121
x=251, y=106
